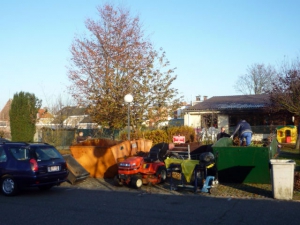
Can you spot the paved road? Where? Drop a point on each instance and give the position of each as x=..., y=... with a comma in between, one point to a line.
x=76, y=205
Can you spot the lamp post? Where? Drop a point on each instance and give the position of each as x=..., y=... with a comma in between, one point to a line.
x=128, y=99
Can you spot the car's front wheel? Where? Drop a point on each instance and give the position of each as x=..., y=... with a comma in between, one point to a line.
x=9, y=186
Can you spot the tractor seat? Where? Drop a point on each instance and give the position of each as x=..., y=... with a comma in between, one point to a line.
x=153, y=155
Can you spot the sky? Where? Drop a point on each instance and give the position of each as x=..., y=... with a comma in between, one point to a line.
x=211, y=43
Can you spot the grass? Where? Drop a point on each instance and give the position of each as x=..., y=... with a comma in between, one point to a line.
x=288, y=151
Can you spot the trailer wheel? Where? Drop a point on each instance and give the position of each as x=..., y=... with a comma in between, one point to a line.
x=162, y=173
x=136, y=182
x=199, y=179
x=117, y=181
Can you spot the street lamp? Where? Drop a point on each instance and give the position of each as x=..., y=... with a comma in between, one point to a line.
x=128, y=99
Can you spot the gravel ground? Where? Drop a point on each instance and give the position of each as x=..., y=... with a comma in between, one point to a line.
x=228, y=190
x=249, y=191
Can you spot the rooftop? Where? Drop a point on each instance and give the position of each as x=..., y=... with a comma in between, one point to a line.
x=232, y=103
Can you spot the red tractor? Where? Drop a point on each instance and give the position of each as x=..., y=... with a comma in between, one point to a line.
x=138, y=170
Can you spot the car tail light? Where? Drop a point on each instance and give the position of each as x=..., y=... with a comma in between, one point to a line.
x=34, y=165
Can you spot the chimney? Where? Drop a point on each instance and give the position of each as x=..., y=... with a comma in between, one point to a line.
x=198, y=98
x=204, y=98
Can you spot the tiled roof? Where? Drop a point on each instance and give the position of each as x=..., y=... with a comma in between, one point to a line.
x=72, y=111
x=4, y=114
x=72, y=115
x=43, y=113
x=246, y=102
x=87, y=119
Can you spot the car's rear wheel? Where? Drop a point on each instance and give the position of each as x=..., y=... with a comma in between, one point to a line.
x=45, y=187
x=9, y=186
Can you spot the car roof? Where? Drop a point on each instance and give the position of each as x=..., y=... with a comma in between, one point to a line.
x=4, y=140
x=11, y=143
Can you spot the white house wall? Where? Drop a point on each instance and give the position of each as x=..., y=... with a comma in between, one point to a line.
x=192, y=119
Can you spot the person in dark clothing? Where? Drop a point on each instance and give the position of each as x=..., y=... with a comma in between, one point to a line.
x=222, y=134
x=244, y=130
x=161, y=149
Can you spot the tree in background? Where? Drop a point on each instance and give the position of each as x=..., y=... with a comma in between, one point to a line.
x=257, y=80
x=285, y=92
x=114, y=60
x=23, y=116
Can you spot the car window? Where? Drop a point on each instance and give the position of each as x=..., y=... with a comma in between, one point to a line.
x=2, y=155
x=47, y=153
x=20, y=153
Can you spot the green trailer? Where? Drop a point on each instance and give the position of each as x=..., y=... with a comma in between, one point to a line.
x=241, y=164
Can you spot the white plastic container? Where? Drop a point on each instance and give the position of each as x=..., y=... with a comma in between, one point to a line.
x=282, y=177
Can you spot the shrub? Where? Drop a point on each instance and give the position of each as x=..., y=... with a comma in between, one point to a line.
x=164, y=134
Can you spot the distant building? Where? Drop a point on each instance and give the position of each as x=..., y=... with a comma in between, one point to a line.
x=5, y=121
x=227, y=111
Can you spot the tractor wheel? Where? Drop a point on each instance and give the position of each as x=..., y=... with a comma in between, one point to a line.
x=117, y=181
x=162, y=173
x=136, y=182
x=199, y=179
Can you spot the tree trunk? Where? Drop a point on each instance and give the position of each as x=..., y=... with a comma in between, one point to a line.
x=298, y=142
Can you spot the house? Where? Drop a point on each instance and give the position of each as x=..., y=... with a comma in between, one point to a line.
x=64, y=124
x=70, y=117
x=227, y=111
x=218, y=111
x=44, y=118
x=4, y=120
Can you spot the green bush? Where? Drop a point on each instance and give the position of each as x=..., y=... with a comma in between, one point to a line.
x=157, y=136
x=186, y=131
x=22, y=114
x=164, y=134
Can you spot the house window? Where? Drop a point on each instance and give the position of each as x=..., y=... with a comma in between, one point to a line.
x=209, y=120
x=3, y=124
x=252, y=119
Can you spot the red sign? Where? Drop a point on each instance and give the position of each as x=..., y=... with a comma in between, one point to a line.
x=179, y=139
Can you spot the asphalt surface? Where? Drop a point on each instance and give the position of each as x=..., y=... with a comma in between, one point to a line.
x=229, y=190
x=96, y=201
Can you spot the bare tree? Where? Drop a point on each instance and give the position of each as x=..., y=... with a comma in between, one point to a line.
x=257, y=80
x=56, y=108
x=285, y=92
x=51, y=127
x=116, y=60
